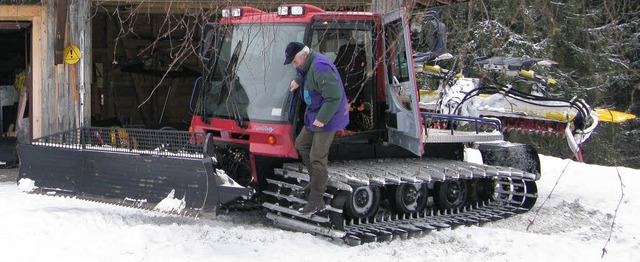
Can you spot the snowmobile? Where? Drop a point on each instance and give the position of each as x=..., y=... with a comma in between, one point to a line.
x=396, y=171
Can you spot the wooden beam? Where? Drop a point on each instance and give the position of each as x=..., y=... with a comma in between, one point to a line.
x=19, y=12
x=61, y=8
x=38, y=53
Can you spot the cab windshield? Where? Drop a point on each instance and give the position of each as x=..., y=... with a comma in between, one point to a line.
x=248, y=79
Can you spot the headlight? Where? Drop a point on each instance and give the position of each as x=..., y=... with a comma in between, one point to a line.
x=283, y=10
x=297, y=10
x=236, y=12
x=226, y=13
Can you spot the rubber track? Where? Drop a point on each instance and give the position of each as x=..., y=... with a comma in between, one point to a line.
x=516, y=194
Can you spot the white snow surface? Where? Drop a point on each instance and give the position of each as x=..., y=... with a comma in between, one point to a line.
x=171, y=204
x=573, y=225
x=26, y=185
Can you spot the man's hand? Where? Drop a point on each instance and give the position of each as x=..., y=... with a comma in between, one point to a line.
x=294, y=85
x=318, y=123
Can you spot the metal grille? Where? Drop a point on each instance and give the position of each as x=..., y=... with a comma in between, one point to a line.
x=129, y=140
x=460, y=123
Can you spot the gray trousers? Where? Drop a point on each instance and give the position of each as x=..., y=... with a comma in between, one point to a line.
x=313, y=148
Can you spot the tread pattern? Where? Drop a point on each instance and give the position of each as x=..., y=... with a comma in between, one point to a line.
x=514, y=192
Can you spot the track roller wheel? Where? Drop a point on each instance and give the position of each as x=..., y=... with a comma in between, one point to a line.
x=482, y=190
x=531, y=187
x=410, y=198
x=363, y=202
x=452, y=194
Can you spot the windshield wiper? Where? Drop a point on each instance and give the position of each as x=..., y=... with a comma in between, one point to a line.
x=210, y=71
x=231, y=73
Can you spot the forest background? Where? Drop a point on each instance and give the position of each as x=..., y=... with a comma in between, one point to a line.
x=596, y=45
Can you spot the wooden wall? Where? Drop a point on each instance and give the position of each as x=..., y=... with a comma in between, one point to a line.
x=59, y=100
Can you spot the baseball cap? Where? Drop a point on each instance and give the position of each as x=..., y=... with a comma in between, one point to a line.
x=290, y=52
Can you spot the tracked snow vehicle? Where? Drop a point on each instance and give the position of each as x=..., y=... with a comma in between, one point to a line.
x=395, y=171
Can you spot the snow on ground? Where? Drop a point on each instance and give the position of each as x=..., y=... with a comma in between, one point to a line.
x=573, y=225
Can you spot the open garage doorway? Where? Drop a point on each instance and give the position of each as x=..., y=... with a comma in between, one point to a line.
x=15, y=81
x=144, y=69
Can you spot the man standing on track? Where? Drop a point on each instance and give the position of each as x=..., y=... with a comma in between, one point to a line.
x=326, y=113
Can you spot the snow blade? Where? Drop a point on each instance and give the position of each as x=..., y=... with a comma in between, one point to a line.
x=134, y=167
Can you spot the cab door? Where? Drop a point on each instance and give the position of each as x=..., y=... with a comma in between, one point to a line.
x=403, y=114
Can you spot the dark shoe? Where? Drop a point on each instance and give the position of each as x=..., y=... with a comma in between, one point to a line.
x=313, y=206
x=303, y=192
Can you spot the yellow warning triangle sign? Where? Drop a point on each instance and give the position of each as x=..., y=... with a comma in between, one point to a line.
x=71, y=54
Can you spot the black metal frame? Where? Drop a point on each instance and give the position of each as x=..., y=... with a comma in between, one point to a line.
x=129, y=166
x=169, y=143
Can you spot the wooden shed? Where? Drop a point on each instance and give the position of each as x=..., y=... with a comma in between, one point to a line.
x=38, y=87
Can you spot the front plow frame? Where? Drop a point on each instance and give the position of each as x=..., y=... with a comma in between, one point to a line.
x=135, y=167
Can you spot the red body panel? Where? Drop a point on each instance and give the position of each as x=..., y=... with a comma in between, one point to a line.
x=256, y=136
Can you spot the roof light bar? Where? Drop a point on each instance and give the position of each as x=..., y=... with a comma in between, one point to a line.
x=290, y=10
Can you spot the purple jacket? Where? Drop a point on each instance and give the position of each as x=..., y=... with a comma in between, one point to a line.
x=323, y=93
